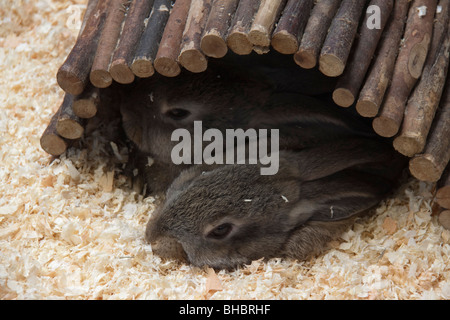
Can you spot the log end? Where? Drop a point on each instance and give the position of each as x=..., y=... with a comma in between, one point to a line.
x=121, y=73
x=444, y=219
x=330, y=65
x=305, y=59
x=213, y=46
x=424, y=168
x=259, y=37
x=343, y=97
x=238, y=43
x=193, y=60
x=84, y=108
x=367, y=108
x=142, y=67
x=443, y=197
x=407, y=145
x=100, y=78
x=53, y=144
x=70, y=82
x=69, y=129
x=284, y=42
x=385, y=127
x=167, y=67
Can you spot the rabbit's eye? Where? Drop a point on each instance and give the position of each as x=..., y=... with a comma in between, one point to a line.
x=178, y=114
x=221, y=231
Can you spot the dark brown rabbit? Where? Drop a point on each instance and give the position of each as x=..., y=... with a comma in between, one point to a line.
x=227, y=215
x=223, y=97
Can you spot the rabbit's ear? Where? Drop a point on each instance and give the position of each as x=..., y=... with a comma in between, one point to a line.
x=327, y=159
x=338, y=196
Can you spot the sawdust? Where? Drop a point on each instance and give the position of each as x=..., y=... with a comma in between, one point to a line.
x=70, y=228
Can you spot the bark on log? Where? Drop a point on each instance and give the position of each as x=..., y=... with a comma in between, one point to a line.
x=350, y=82
x=315, y=33
x=73, y=75
x=422, y=105
x=120, y=68
x=430, y=165
x=290, y=27
x=213, y=42
x=338, y=43
x=99, y=75
x=237, y=39
x=51, y=142
x=191, y=57
x=380, y=75
x=142, y=65
x=68, y=124
x=166, y=61
x=86, y=104
x=408, y=67
x=264, y=22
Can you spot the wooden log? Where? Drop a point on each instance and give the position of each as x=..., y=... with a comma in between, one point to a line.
x=142, y=65
x=289, y=30
x=73, y=75
x=99, y=75
x=120, y=67
x=213, y=42
x=68, y=124
x=408, y=67
x=444, y=219
x=424, y=101
x=349, y=84
x=86, y=104
x=430, y=165
x=338, y=43
x=237, y=39
x=51, y=142
x=443, y=192
x=191, y=57
x=166, y=61
x=315, y=33
x=374, y=89
x=264, y=22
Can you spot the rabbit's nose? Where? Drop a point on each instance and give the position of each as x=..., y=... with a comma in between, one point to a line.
x=169, y=248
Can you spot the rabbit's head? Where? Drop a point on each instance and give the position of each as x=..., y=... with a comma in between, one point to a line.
x=228, y=215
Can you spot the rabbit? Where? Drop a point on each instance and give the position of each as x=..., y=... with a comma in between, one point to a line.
x=223, y=97
x=225, y=216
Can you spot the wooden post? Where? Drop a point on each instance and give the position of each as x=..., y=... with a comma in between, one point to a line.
x=69, y=125
x=264, y=22
x=120, y=68
x=237, y=39
x=349, y=84
x=213, y=42
x=315, y=33
x=51, y=142
x=443, y=192
x=73, y=75
x=408, y=67
x=290, y=27
x=100, y=76
x=423, y=103
x=145, y=55
x=86, y=104
x=339, y=41
x=166, y=61
x=374, y=89
x=191, y=57
x=436, y=156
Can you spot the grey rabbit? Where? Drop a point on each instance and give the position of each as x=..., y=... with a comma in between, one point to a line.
x=222, y=97
x=225, y=216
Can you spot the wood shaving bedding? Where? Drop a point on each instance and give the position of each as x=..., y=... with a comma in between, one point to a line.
x=70, y=228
